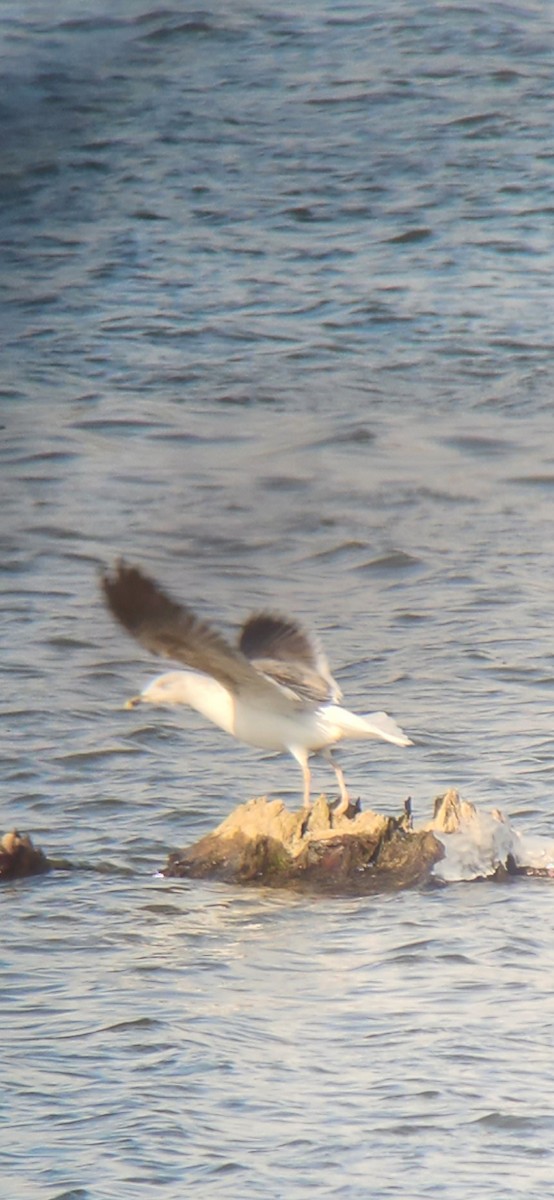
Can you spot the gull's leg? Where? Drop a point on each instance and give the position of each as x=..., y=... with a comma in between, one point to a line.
x=344, y=801
x=301, y=757
x=307, y=785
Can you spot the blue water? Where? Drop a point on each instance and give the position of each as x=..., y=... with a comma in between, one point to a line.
x=276, y=324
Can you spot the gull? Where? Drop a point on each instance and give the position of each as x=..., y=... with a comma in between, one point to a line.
x=274, y=690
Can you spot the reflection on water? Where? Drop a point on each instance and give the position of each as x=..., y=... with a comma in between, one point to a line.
x=276, y=287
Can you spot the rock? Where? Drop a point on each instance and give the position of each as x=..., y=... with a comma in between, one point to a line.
x=18, y=857
x=359, y=853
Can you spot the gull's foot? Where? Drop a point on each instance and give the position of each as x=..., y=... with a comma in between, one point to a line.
x=347, y=808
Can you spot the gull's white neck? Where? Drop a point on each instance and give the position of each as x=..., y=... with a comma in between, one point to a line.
x=199, y=691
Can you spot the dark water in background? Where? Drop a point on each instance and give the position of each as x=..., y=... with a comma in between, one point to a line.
x=277, y=324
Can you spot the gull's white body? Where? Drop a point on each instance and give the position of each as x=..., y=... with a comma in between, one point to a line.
x=302, y=733
x=273, y=690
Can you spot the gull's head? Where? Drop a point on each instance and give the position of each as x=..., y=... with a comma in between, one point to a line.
x=171, y=688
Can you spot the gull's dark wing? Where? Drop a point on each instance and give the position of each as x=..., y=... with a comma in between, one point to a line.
x=173, y=631
x=284, y=651
x=308, y=685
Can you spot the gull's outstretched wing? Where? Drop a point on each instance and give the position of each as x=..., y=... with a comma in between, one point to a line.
x=173, y=631
x=287, y=653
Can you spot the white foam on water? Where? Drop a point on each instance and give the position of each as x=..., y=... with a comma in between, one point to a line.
x=485, y=841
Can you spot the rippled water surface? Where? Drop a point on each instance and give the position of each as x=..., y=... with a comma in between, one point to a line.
x=277, y=325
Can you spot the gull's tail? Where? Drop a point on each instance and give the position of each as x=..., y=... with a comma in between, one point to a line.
x=372, y=725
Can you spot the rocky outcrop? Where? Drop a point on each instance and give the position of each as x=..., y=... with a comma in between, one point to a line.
x=358, y=853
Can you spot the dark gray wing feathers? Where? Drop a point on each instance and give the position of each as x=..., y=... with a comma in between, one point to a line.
x=302, y=681
x=173, y=631
x=166, y=628
x=284, y=651
x=265, y=635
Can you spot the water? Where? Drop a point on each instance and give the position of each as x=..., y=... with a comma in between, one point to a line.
x=276, y=325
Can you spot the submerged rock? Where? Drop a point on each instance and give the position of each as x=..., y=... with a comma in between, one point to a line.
x=358, y=853
x=18, y=857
